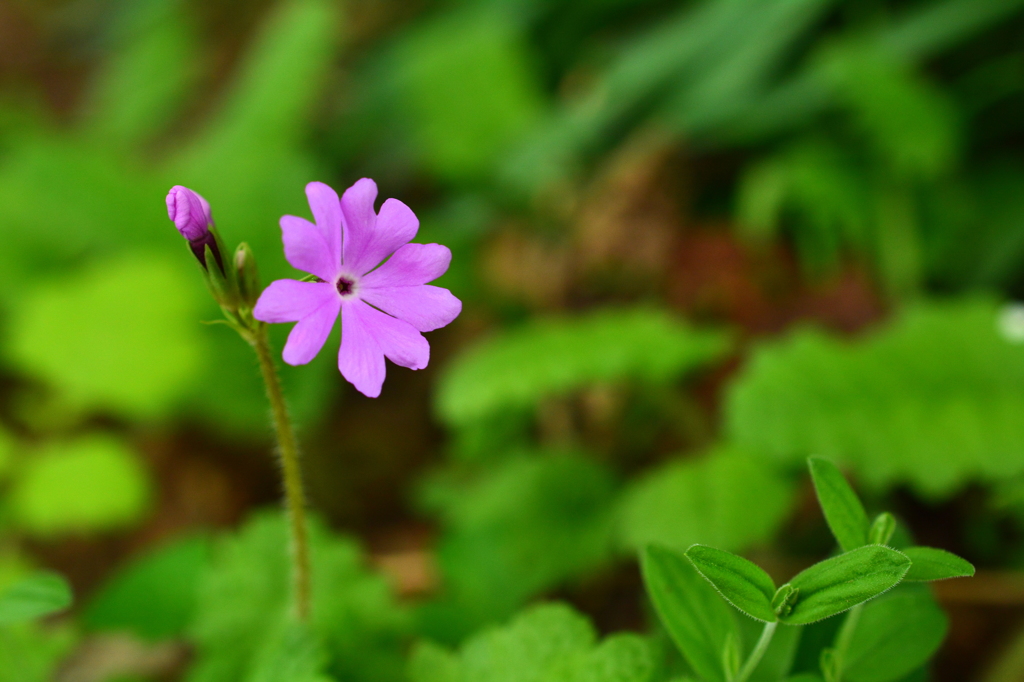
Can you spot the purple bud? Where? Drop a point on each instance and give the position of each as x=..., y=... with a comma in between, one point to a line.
x=190, y=213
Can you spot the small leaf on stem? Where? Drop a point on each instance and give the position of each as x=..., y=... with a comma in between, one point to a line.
x=742, y=583
x=882, y=529
x=842, y=508
x=930, y=563
x=837, y=584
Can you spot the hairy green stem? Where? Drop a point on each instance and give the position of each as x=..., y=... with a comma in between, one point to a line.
x=757, y=654
x=288, y=450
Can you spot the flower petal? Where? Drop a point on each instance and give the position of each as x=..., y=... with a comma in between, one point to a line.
x=326, y=207
x=310, y=333
x=358, y=219
x=411, y=264
x=306, y=248
x=423, y=306
x=367, y=336
x=371, y=238
x=360, y=359
x=289, y=300
x=401, y=343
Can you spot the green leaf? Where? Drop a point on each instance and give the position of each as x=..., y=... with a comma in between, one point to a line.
x=840, y=583
x=894, y=635
x=842, y=508
x=144, y=82
x=930, y=563
x=469, y=86
x=705, y=500
x=87, y=485
x=518, y=528
x=545, y=642
x=292, y=655
x=697, y=619
x=518, y=368
x=134, y=349
x=33, y=653
x=743, y=583
x=242, y=612
x=6, y=453
x=38, y=595
x=154, y=596
x=882, y=529
x=932, y=398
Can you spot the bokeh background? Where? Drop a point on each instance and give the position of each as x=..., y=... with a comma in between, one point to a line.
x=696, y=243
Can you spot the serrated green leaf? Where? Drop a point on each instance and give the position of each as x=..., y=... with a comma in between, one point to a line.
x=242, y=611
x=930, y=563
x=38, y=595
x=545, y=642
x=933, y=398
x=842, y=508
x=895, y=635
x=292, y=655
x=840, y=583
x=742, y=583
x=154, y=596
x=697, y=619
x=705, y=500
x=517, y=368
x=88, y=485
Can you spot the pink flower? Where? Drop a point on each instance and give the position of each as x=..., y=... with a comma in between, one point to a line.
x=383, y=309
x=191, y=215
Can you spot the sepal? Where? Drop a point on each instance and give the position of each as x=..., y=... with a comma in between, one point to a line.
x=248, y=275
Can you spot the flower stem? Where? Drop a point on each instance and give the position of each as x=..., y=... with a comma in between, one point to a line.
x=844, y=638
x=288, y=449
x=757, y=654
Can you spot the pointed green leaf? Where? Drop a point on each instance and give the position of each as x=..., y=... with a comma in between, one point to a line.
x=743, y=583
x=895, y=635
x=35, y=596
x=698, y=621
x=840, y=504
x=882, y=529
x=936, y=564
x=837, y=584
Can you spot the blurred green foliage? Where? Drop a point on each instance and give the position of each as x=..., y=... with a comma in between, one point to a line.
x=78, y=486
x=546, y=642
x=582, y=423
x=243, y=605
x=934, y=399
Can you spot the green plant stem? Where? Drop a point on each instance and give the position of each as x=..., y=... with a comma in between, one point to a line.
x=288, y=450
x=844, y=638
x=757, y=654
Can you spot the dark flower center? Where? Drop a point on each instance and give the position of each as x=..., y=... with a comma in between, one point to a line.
x=345, y=286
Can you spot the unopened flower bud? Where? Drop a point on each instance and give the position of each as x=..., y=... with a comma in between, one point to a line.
x=191, y=215
x=248, y=277
x=189, y=212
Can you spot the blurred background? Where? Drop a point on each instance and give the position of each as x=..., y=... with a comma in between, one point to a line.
x=697, y=241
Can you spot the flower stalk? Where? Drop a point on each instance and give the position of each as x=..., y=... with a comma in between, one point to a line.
x=234, y=284
x=288, y=451
x=758, y=653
